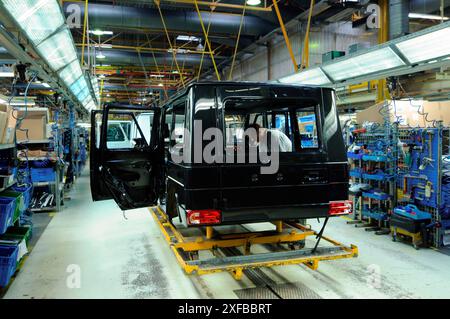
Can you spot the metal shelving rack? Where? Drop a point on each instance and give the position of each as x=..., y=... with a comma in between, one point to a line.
x=54, y=185
x=439, y=143
x=11, y=149
x=382, y=138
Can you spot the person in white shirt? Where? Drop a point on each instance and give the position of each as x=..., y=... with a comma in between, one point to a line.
x=284, y=143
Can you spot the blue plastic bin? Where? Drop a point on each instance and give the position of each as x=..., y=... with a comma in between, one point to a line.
x=356, y=172
x=43, y=175
x=374, y=214
x=354, y=155
x=7, y=208
x=26, y=190
x=8, y=263
x=376, y=195
x=375, y=158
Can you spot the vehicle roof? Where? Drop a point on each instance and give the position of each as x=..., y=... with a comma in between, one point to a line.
x=235, y=83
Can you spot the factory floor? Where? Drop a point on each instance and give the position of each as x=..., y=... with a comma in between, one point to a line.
x=92, y=250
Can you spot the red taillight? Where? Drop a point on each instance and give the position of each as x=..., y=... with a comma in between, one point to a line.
x=343, y=207
x=203, y=217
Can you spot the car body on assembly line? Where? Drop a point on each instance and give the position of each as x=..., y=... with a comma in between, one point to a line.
x=309, y=180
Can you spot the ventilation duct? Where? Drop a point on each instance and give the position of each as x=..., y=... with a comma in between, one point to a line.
x=398, y=18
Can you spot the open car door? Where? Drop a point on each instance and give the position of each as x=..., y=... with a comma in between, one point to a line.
x=125, y=158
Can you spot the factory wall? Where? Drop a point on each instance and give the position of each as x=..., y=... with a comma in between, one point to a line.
x=335, y=36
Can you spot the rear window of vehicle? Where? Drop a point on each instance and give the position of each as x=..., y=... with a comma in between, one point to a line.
x=295, y=125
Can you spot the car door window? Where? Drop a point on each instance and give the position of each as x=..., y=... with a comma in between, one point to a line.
x=126, y=130
x=115, y=133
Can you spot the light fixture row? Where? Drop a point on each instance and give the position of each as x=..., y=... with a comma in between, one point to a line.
x=426, y=46
x=42, y=21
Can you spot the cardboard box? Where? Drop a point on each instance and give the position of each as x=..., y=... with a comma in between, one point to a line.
x=3, y=123
x=36, y=124
x=407, y=113
x=371, y=114
x=7, y=133
x=438, y=111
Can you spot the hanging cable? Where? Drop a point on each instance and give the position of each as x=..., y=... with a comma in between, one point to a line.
x=170, y=42
x=206, y=40
x=237, y=42
x=305, y=55
x=156, y=64
x=203, y=52
x=84, y=30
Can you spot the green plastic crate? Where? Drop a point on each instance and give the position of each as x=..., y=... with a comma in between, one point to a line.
x=20, y=202
x=14, y=235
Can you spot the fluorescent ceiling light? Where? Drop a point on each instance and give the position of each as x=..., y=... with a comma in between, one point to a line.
x=378, y=60
x=101, y=32
x=76, y=87
x=253, y=2
x=311, y=77
x=104, y=46
x=101, y=76
x=71, y=73
x=187, y=38
x=413, y=15
x=178, y=50
x=160, y=84
x=157, y=75
x=430, y=46
x=100, y=55
x=58, y=50
x=102, y=65
x=87, y=100
x=37, y=18
x=83, y=94
x=6, y=74
x=200, y=47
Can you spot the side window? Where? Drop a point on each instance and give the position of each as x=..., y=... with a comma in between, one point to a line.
x=178, y=124
x=283, y=124
x=115, y=133
x=124, y=131
x=307, y=125
x=167, y=126
x=176, y=129
x=234, y=129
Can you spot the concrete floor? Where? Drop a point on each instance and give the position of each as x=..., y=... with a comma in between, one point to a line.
x=128, y=258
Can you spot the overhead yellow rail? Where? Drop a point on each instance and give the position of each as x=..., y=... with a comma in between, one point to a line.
x=286, y=37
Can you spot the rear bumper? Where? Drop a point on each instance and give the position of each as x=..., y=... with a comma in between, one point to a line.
x=267, y=214
x=253, y=215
